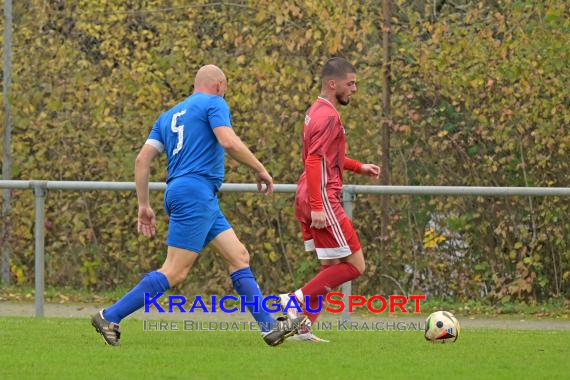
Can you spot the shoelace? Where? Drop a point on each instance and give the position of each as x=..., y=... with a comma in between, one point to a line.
x=115, y=328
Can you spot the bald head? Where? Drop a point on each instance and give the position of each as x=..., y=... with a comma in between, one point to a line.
x=210, y=79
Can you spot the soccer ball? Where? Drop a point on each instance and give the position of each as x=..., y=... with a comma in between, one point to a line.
x=442, y=327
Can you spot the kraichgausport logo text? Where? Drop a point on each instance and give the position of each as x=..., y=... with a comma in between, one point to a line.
x=371, y=325
x=271, y=304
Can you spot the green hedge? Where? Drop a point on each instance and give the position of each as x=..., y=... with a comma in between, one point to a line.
x=480, y=97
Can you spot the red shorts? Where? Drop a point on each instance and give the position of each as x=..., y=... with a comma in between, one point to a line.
x=332, y=242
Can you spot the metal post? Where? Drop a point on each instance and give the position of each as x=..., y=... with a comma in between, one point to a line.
x=40, y=191
x=348, y=198
x=6, y=167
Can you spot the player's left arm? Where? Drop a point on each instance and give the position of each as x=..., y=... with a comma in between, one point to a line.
x=219, y=118
x=235, y=147
x=370, y=170
x=146, y=219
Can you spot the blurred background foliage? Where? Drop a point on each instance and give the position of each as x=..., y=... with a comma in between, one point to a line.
x=480, y=98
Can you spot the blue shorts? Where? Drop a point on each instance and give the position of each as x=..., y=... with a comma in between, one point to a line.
x=195, y=216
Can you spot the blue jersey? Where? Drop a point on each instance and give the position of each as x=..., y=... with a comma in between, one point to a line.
x=186, y=133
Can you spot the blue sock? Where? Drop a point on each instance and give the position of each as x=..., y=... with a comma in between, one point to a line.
x=152, y=283
x=246, y=285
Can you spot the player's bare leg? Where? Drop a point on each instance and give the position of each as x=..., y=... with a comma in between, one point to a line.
x=237, y=257
x=175, y=268
x=285, y=299
x=177, y=264
x=232, y=250
x=356, y=261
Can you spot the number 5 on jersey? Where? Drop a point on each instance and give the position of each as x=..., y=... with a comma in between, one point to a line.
x=178, y=130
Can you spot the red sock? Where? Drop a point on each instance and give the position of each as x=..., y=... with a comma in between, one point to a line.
x=326, y=280
x=314, y=302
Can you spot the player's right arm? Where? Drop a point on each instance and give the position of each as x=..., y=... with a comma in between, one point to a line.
x=314, y=175
x=146, y=219
x=152, y=148
x=233, y=145
x=320, y=132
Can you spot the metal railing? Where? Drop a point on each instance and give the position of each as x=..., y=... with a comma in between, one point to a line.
x=40, y=190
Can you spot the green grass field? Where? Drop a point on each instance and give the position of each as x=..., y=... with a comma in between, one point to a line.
x=69, y=348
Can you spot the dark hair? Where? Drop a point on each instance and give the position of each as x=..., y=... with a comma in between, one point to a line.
x=336, y=67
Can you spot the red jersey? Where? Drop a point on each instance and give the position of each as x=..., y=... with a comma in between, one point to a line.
x=323, y=137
